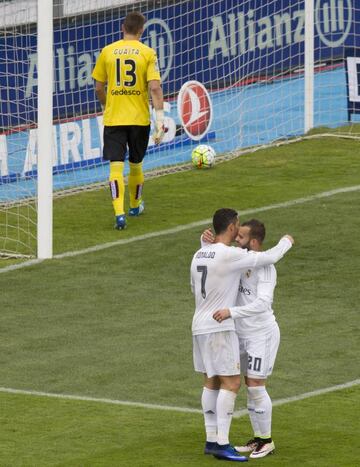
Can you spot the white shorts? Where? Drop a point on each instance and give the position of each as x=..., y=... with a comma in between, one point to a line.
x=217, y=354
x=258, y=354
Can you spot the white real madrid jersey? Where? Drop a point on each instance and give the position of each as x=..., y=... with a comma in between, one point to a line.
x=215, y=270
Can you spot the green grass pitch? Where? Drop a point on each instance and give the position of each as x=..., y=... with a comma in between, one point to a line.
x=116, y=323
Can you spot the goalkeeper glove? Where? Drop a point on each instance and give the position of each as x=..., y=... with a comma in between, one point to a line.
x=160, y=129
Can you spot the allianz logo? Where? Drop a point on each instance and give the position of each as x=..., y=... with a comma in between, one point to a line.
x=241, y=32
x=158, y=36
x=333, y=20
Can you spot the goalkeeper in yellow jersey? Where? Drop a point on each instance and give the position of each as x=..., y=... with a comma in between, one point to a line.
x=125, y=72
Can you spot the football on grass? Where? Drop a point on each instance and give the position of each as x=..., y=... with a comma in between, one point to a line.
x=203, y=156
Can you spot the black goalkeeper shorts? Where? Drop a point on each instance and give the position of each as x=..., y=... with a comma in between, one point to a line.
x=118, y=139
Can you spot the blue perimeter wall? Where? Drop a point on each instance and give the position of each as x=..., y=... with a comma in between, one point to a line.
x=223, y=44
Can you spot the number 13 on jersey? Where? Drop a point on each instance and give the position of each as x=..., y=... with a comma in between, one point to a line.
x=128, y=66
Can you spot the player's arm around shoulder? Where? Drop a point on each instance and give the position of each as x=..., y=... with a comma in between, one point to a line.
x=240, y=258
x=207, y=237
x=274, y=254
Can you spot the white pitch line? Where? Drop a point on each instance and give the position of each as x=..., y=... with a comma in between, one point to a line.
x=306, y=395
x=237, y=414
x=180, y=228
x=98, y=400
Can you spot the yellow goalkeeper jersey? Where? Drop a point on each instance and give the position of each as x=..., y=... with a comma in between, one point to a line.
x=126, y=66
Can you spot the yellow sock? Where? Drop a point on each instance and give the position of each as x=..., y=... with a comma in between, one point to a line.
x=136, y=182
x=117, y=186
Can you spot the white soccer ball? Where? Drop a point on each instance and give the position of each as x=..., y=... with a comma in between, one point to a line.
x=203, y=156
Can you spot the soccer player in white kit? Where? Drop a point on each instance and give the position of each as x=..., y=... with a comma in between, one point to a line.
x=215, y=271
x=259, y=338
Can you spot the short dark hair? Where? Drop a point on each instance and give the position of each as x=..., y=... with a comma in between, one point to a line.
x=257, y=229
x=223, y=218
x=134, y=22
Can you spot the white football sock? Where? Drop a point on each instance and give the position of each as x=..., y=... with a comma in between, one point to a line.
x=252, y=414
x=263, y=409
x=208, y=404
x=224, y=410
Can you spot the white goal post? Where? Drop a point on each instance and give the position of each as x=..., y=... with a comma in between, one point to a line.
x=45, y=133
x=309, y=66
x=236, y=75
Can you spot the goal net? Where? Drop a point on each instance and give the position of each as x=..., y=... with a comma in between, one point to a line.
x=234, y=75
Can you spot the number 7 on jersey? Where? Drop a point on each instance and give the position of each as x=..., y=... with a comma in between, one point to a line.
x=203, y=270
